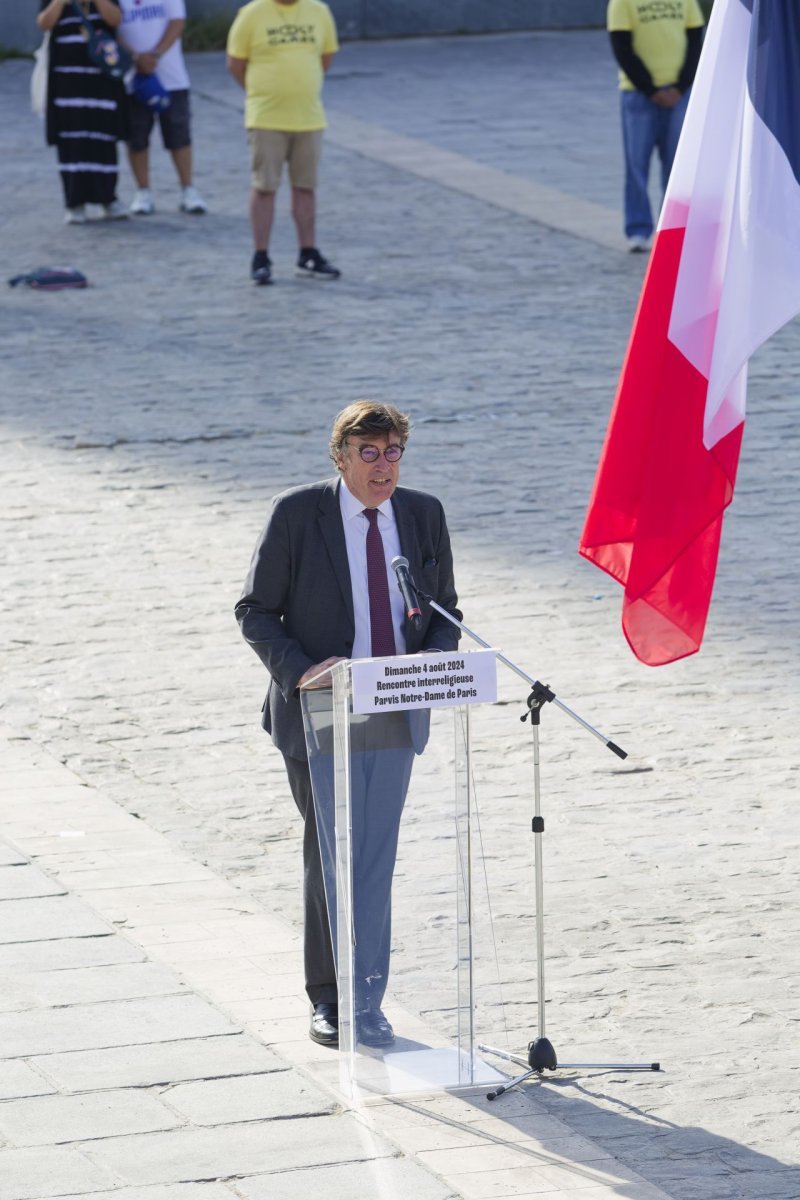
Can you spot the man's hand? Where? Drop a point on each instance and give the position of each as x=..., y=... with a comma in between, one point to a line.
x=318, y=676
x=666, y=97
x=237, y=68
x=146, y=62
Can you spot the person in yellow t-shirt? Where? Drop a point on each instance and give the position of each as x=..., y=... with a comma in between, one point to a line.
x=279, y=51
x=657, y=46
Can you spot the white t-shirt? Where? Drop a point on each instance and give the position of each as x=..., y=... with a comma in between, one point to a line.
x=143, y=23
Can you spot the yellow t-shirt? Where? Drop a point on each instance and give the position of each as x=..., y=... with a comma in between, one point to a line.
x=659, y=34
x=283, y=45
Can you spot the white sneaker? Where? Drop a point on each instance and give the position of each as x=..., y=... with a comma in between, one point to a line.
x=192, y=201
x=114, y=211
x=142, y=204
x=75, y=216
x=638, y=245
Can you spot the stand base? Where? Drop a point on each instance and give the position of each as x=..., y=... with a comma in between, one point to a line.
x=542, y=1057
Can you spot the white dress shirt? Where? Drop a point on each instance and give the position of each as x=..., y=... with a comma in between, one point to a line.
x=355, y=536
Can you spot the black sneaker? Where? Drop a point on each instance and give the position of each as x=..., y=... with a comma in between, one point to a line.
x=312, y=265
x=261, y=268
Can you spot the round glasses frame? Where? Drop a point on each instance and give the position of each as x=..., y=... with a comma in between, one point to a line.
x=370, y=454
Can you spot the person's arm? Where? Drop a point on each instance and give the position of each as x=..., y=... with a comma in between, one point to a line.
x=629, y=62
x=330, y=41
x=262, y=608
x=237, y=68
x=109, y=11
x=147, y=60
x=441, y=634
x=51, y=15
x=694, y=46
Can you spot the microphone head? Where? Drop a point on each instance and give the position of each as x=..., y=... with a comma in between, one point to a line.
x=399, y=561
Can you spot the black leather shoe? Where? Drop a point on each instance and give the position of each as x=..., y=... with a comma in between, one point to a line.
x=372, y=1029
x=325, y=1025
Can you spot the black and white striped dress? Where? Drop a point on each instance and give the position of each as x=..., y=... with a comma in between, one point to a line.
x=85, y=114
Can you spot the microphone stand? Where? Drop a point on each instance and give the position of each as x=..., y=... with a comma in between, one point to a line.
x=541, y=1054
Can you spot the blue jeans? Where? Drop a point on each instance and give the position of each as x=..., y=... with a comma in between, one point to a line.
x=381, y=760
x=645, y=128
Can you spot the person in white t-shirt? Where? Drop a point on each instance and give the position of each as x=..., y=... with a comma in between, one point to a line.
x=151, y=30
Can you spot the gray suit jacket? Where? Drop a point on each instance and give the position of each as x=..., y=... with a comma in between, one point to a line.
x=297, y=606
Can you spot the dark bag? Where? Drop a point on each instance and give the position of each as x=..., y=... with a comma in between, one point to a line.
x=104, y=51
x=51, y=279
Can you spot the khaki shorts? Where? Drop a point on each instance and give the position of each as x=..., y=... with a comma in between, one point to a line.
x=270, y=149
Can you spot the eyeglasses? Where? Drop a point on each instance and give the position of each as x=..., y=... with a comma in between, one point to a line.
x=371, y=454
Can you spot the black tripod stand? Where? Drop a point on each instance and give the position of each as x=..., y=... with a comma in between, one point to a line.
x=541, y=1053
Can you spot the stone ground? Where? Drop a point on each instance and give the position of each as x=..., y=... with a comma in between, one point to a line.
x=469, y=195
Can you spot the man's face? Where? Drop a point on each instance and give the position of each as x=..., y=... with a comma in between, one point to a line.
x=370, y=482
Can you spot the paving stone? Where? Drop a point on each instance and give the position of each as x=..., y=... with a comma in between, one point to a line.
x=780, y=1184
x=242, y=981
x=21, y=882
x=172, y=1191
x=59, y=847
x=18, y=781
x=119, y=1023
x=385, y=1177
x=141, y=870
x=9, y=857
x=237, y=1149
x=48, y=1120
x=21, y=1079
x=87, y=985
x=247, y=1098
x=164, y=1062
x=65, y=954
x=144, y=906
x=46, y=1172
x=506, y=1183
x=34, y=920
x=61, y=811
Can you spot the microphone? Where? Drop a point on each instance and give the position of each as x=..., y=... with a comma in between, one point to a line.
x=407, y=590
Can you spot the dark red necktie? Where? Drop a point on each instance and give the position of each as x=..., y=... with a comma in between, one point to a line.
x=380, y=609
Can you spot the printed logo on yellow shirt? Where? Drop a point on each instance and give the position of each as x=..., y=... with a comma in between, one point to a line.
x=290, y=35
x=660, y=10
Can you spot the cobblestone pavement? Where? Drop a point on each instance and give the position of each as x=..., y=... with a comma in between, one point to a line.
x=147, y=421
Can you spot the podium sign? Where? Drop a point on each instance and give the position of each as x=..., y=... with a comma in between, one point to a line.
x=424, y=681
x=393, y=799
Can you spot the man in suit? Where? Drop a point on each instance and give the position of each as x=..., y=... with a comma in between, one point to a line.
x=320, y=589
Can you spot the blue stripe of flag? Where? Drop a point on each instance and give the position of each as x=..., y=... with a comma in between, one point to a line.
x=773, y=71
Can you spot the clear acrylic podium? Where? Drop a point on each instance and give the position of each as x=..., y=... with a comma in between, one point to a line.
x=395, y=813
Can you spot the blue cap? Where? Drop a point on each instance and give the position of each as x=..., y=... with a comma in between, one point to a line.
x=149, y=90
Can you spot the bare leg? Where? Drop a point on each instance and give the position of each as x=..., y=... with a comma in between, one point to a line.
x=183, y=165
x=304, y=213
x=140, y=167
x=262, y=211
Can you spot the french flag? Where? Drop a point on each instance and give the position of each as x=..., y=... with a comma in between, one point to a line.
x=724, y=275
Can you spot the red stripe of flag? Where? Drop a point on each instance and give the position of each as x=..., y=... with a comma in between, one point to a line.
x=655, y=514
